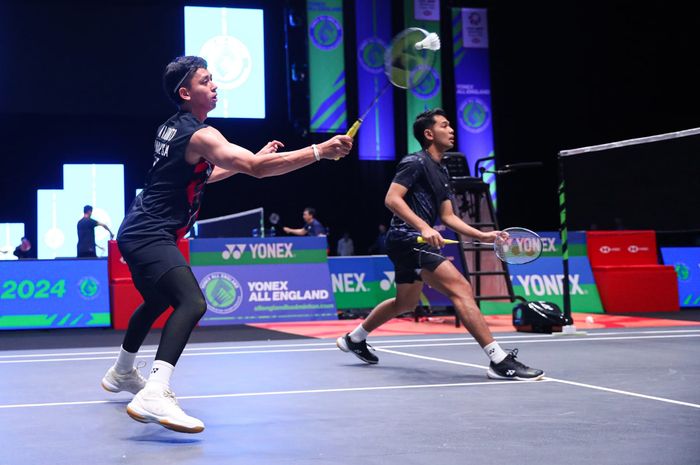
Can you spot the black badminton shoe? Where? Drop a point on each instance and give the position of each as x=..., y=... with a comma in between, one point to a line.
x=359, y=349
x=510, y=368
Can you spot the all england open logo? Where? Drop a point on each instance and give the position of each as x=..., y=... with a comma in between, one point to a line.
x=474, y=115
x=325, y=32
x=222, y=292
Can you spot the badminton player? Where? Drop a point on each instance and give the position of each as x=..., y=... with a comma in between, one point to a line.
x=418, y=196
x=187, y=154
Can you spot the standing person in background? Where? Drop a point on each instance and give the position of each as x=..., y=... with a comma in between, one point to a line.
x=379, y=246
x=86, y=233
x=345, y=246
x=312, y=226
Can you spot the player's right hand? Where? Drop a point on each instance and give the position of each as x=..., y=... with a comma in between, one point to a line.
x=335, y=147
x=432, y=237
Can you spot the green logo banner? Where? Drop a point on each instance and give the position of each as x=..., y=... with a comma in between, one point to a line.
x=326, y=66
x=429, y=93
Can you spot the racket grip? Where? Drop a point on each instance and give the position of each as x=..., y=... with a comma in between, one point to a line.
x=352, y=132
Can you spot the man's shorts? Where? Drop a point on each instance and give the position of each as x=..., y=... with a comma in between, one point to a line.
x=149, y=261
x=409, y=258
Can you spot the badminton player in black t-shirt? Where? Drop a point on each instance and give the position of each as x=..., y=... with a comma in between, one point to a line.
x=187, y=155
x=418, y=195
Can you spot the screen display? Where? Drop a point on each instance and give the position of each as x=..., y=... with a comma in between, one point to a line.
x=232, y=42
x=686, y=261
x=59, y=210
x=37, y=294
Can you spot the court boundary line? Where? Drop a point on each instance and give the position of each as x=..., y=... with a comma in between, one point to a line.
x=514, y=338
x=272, y=393
x=557, y=380
x=333, y=348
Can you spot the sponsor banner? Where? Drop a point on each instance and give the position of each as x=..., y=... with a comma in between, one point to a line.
x=473, y=89
x=37, y=294
x=373, y=31
x=265, y=293
x=258, y=251
x=686, y=261
x=257, y=280
x=362, y=282
x=543, y=279
x=424, y=14
x=326, y=65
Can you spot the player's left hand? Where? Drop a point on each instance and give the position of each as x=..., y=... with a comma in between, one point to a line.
x=492, y=236
x=271, y=147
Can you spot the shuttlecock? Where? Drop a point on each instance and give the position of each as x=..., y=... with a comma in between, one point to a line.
x=431, y=42
x=589, y=319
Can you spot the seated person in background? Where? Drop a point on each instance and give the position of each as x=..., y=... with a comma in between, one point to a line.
x=312, y=227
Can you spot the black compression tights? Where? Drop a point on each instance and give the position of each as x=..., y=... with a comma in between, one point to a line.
x=178, y=287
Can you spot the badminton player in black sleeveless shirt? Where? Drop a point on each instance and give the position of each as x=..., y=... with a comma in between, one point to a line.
x=418, y=195
x=187, y=155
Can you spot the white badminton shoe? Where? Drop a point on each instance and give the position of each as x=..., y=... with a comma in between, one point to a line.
x=157, y=404
x=131, y=382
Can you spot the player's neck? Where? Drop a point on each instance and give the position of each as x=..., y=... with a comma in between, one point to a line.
x=435, y=153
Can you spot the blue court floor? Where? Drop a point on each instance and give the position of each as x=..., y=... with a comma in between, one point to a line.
x=610, y=397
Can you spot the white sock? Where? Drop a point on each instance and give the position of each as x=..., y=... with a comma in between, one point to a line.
x=358, y=334
x=161, y=373
x=125, y=362
x=495, y=353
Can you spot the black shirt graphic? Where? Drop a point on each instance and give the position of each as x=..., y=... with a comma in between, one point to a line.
x=86, y=237
x=169, y=203
x=428, y=185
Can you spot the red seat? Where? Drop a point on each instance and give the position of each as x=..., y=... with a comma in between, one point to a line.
x=627, y=273
x=123, y=295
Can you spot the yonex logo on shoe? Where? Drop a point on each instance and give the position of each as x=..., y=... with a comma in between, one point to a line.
x=510, y=372
x=153, y=370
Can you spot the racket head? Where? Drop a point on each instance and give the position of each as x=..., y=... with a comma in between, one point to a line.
x=522, y=246
x=405, y=66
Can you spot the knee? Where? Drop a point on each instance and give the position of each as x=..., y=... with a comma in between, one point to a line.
x=195, y=305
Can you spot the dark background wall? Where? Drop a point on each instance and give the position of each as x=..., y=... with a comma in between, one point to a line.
x=80, y=83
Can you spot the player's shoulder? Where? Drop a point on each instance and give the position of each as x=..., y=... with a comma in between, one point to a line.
x=413, y=159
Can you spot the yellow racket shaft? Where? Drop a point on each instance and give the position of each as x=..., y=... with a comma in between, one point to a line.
x=447, y=241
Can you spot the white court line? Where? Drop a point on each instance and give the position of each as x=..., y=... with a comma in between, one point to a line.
x=333, y=348
x=275, y=393
x=516, y=338
x=563, y=381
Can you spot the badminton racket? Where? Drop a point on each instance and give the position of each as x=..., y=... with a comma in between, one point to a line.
x=408, y=63
x=520, y=247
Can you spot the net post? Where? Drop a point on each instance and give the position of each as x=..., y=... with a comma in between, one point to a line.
x=570, y=328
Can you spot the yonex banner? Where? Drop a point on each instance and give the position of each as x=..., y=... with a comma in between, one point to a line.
x=473, y=89
x=249, y=280
x=363, y=282
x=543, y=279
x=373, y=26
x=326, y=65
x=424, y=14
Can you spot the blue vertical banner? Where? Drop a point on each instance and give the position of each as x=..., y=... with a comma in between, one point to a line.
x=473, y=88
x=376, y=139
x=326, y=66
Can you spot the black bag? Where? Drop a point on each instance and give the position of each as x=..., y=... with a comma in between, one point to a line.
x=538, y=317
